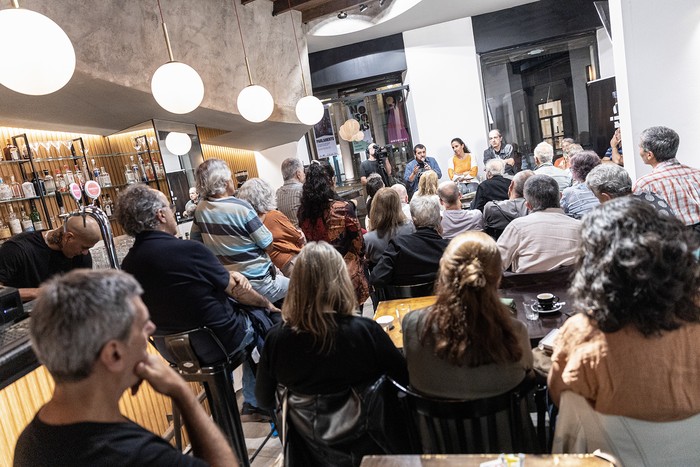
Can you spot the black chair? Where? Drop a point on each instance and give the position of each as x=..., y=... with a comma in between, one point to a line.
x=558, y=278
x=491, y=425
x=393, y=292
x=217, y=379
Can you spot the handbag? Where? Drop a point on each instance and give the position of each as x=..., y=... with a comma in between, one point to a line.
x=280, y=461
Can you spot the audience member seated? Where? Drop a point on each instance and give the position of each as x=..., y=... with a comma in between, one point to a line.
x=90, y=330
x=543, y=159
x=403, y=195
x=678, y=184
x=563, y=161
x=184, y=285
x=232, y=230
x=324, y=216
x=388, y=221
x=289, y=194
x=544, y=240
x=427, y=186
x=29, y=258
x=456, y=220
x=578, y=199
x=634, y=351
x=286, y=239
x=498, y=214
x=461, y=167
x=494, y=188
x=467, y=345
x=609, y=181
x=322, y=349
x=413, y=258
x=374, y=184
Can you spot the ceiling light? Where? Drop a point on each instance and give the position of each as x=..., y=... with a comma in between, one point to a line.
x=178, y=143
x=535, y=51
x=47, y=54
x=342, y=15
x=363, y=8
x=381, y=2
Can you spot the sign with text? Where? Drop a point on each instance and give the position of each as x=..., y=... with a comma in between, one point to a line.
x=358, y=110
x=326, y=145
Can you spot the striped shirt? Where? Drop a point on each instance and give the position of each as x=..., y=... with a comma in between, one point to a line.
x=678, y=184
x=577, y=200
x=232, y=230
x=289, y=199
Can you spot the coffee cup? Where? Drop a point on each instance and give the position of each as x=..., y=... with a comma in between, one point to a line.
x=547, y=301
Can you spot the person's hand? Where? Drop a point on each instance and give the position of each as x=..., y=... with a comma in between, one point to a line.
x=242, y=284
x=416, y=169
x=273, y=308
x=616, y=139
x=509, y=161
x=159, y=375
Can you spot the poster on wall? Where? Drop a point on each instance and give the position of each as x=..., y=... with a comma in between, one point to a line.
x=326, y=146
x=359, y=112
x=396, y=131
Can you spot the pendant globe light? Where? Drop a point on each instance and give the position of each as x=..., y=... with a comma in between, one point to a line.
x=178, y=143
x=44, y=45
x=254, y=102
x=309, y=109
x=176, y=86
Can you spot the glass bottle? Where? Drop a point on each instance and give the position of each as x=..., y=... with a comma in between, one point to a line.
x=95, y=172
x=68, y=176
x=5, y=231
x=7, y=151
x=79, y=179
x=105, y=179
x=142, y=170
x=5, y=190
x=27, y=225
x=107, y=205
x=49, y=183
x=129, y=174
x=28, y=190
x=160, y=173
x=36, y=218
x=16, y=188
x=60, y=182
x=15, y=224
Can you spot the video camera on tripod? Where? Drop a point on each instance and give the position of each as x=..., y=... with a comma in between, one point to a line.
x=380, y=154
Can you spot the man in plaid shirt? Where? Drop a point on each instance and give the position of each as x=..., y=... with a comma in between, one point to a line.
x=678, y=184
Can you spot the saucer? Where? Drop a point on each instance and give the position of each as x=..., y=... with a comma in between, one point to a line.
x=557, y=307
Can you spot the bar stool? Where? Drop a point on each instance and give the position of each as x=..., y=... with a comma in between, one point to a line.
x=217, y=379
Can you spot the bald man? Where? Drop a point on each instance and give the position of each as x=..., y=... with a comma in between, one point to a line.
x=29, y=258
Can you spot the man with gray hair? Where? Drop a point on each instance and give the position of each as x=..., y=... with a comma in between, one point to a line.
x=456, y=220
x=232, y=230
x=90, y=330
x=544, y=240
x=544, y=152
x=678, y=184
x=494, y=188
x=403, y=194
x=498, y=214
x=413, y=258
x=289, y=194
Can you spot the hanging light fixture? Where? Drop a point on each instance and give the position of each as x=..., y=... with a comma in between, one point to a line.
x=176, y=86
x=43, y=45
x=254, y=102
x=178, y=143
x=309, y=109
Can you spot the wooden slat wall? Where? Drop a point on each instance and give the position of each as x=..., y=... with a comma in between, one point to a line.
x=237, y=159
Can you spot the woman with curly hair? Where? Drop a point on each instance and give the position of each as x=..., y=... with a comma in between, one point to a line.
x=634, y=350
x=324, y=216
x=467, y=345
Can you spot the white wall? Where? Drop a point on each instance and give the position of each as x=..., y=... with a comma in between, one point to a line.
x=446, y=98
x=657, y=64
x=270, y=160
x=606, y=62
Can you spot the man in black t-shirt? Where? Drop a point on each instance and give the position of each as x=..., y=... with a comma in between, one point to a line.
x=371, y=166
x=90, y=329
x=29, y=258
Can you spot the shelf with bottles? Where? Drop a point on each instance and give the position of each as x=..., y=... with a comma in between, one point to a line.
x=122, y=154
x=14, y=222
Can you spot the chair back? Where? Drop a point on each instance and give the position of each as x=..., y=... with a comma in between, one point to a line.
x=633, y=442
x=394, y=292
x=192, y=350
x=493, y=424
x=559, y=278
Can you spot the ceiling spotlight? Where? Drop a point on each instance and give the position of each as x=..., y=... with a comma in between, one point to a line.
x=342, y=15
x=381, y=2
x=363, y=8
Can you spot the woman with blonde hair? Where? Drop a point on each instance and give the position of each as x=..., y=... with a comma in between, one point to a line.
x=428, y=184
x=321, y=348
x=467, y=345
x=387, y=221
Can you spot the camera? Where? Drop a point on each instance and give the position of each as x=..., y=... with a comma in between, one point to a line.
x=380, y=152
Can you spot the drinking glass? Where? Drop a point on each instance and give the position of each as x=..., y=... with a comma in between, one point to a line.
x=401, y=310
x=531, y=309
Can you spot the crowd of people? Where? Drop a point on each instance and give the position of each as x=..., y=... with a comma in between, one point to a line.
x=286, y=274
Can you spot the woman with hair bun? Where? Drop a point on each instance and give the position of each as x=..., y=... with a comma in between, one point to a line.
x=467, y=345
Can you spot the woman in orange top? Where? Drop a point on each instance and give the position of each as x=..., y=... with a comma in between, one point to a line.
x=461, y=163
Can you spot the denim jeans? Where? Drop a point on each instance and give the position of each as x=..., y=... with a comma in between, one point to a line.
x=248, y=379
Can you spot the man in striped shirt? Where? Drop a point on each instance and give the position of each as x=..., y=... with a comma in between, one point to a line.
x=678, y=184
x=232, y=230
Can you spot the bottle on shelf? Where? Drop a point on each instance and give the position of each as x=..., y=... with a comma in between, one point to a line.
x=129, y=175
x=28, y=189
x=142, y=170
x=107, y=205
x=36, y=218
x=160, y=173
x=5, y=231
x=15, y=224
x=10, y=151
x=79, y=179
x=60, y=182
x=27, y=225
x=68, y=176
x=5, y=190
x=135, y=169
x=16, y=188
x=49, y=183
x=95, y=172
x=105, y=179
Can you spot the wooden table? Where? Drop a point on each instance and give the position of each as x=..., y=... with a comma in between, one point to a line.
x=535, y=329
x=474, y=460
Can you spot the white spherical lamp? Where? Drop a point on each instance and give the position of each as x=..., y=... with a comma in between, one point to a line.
x=309, y=110
x=45, y=53
x=177, y=87
x=178, y=143
x=255, y=103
